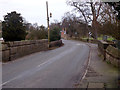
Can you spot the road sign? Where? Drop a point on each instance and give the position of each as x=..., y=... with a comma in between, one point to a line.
x=90, y=33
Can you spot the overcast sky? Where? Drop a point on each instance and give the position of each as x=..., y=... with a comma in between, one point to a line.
x=34, y=11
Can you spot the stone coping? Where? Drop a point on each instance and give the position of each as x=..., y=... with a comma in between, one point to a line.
x=113, y=51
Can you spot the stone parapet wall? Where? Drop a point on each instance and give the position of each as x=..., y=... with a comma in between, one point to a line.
x=110, y=53
x=102, y=46
x=17, y=49
x=56, y=43
x=113, y=56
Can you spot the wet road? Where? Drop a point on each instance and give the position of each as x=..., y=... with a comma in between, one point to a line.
x=58, y=68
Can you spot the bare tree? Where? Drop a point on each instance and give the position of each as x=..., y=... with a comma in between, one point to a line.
x=110, y=24
x=74, y=25
x=90, y=11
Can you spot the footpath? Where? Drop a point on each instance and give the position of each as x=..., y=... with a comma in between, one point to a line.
x=100, y=74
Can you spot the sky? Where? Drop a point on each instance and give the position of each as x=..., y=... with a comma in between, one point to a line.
x=34, y=11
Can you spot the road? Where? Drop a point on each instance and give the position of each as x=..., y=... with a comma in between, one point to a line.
x=58, y=68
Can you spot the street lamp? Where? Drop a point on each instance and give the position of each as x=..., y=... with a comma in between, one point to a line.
x=48, y=23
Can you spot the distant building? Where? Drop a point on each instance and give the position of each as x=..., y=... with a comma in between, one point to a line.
x=64, y=34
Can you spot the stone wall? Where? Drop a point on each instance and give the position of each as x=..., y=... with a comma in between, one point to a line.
x=102, y=46
x=110, y=53
x=56, y=43
x=113, y=56
x=17, y=49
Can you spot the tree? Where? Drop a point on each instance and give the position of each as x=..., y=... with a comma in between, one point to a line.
x=110, y=21
x=13, y=27
x=42, y=27
x=116, y=6
x=55, y=28
x=68, y=23
x=56, y=24
x=90, y=11
x=36, y=32
x=55, y=34
x=74, y=25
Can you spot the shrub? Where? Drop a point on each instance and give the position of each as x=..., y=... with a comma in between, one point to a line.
x=37, y=34
x=55, y=34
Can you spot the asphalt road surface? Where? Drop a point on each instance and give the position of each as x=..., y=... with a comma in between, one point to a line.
x=58, y=68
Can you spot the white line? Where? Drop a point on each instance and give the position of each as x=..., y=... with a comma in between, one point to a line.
x=78, y=44
x=7, y=81
x=87, y=65
x=49, y=62
x=42, y=64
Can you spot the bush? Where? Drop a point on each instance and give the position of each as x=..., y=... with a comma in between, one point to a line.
x=55, y=34
x=13, y=28
x=37, y=34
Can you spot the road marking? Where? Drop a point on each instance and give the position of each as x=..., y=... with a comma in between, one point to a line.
x=57, y=57
x=87, y=64
x=42, y=64
x=86, y=67
x=8, y=81
x=38, y=67
x=78, y=44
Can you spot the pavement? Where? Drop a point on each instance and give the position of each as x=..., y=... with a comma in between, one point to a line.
x=58, y=68
x=99, y=73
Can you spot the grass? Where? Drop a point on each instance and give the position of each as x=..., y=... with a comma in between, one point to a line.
x=87, y=38
x=108, y=62
x=100, y=38
x=110, y=39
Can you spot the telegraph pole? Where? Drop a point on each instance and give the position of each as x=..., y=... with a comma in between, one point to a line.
x=48, y=24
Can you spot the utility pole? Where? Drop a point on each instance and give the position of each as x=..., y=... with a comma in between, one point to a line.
x=48, y=24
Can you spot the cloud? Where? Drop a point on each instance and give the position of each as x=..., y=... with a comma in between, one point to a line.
x=34, y=10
